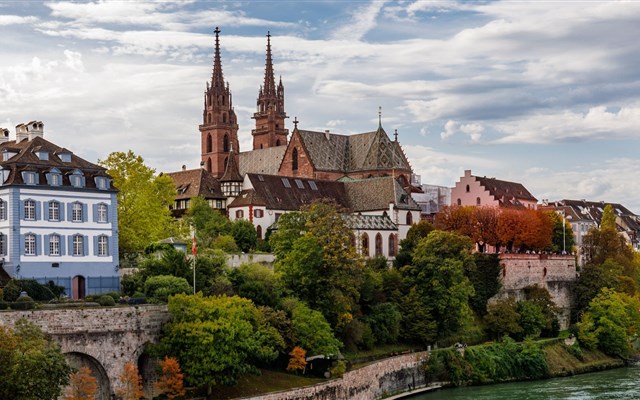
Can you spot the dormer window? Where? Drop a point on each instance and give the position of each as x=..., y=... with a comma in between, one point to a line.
x=7, y=154
x=102, y=183
x=76, y=179
x=29, y=177
x=42, y=155
x=65, y=157
x=54, y=178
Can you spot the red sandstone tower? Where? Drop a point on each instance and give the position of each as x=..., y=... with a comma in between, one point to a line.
x=270, y=113
x=219, y=129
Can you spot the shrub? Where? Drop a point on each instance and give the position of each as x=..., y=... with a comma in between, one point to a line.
x=106, y=301
x=35, y=290
x=339, y=369
x=3, y=305
x=23, y=303
x=159, y=288
x=226, y=243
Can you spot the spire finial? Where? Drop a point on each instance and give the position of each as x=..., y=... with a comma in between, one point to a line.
x=295, y=122
x=217, y=80
x=379, y=116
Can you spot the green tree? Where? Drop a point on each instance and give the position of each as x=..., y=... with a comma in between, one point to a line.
x=217, y=339
x=244, y=234
x=562, y=233
x=611, y=322
x=384, y=320
x=320, y=264
x=608, y=220
x=207, y=222
x=485, y=279
x=532, y=318
x=310, y=329
x=502, y=318
x=258, y=283
x=143, y=201
x=31, y=367
x=159, y=288
x=439, y=275
x=417, y=231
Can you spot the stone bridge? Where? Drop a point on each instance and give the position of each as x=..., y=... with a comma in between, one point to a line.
x=103, y=339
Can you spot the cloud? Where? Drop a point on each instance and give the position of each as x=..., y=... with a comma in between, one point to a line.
x=16, y=20
x=362, y=20
x=474, y=131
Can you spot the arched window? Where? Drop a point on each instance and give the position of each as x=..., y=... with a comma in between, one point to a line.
x=459, y=202
x=365, y=244
x=224, y=118
x=209, y=144
x=209, y=164
x=294, y=159
x=209, y=118
x=225, y=144
x=409, y=218
x=378, y=244
x=392, y=245
x=259, y=231
x=468, y=189
x=477, y=201
x=277, y=141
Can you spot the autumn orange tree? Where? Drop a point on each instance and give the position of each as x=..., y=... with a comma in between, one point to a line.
x=297, y=361
x=130, y=383
x=82, y=386
x=171, y=382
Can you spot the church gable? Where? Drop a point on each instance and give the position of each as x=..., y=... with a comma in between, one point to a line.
x=296, y=160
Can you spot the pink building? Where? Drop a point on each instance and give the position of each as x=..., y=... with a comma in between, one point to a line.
x=482, y=191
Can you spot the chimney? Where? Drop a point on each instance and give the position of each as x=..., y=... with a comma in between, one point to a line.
x=35, y=129
x=326, y=133
x=21, y=133
x=184, y=167
x=467, y=173
x=4, y=135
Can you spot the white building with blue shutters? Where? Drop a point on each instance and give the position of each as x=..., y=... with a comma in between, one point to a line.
x=58, y=215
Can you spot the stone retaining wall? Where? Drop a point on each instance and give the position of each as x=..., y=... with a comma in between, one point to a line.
x=374, y=381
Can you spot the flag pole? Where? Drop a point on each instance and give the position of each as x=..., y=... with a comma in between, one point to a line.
x=194, y=251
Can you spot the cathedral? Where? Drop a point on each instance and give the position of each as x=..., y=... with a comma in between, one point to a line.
x=366, y=173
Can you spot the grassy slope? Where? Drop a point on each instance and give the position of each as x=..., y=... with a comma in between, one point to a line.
x=562, y=363
x=268, y=381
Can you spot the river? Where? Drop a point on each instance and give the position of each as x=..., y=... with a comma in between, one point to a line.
x=618, y=384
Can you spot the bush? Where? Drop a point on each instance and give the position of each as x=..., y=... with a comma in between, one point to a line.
x=159, y=288
x=576, y=351
x=106, y=301
x=226, y=243
x=3, y=305
x=339, y=369
x=35, y=290
x=23, y=303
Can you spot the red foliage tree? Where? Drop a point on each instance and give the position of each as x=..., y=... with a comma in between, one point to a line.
x=171, y=382
x=297, y=361
x=82, y=386
x=130, y=383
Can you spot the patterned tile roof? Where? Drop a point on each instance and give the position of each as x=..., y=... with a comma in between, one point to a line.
x=369, y=222
x=377, y=194
x=196, y=182
x=23, y=156
x=262, y=161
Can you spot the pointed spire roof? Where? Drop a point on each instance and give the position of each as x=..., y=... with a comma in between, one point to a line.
x=232, y=172
x=269, y=79
x=217, y=80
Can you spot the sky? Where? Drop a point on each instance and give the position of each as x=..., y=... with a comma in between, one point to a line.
x=544, y=93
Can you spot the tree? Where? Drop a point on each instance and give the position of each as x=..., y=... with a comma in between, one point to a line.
x=502, y=318
x=82, y=386
x=319, y=262
x=171, y=381
x=217, y=339
x=143, y=201
x=297, y=362
x=244, y=234
x=485, y=279
x=257, y=283
x=608, y=220
x=159, y=288
x=439, y=276
x=207, y=222
x=310, y=328
x=384, y=320
x=532, y=318
x=129, y=383
x=562, y=237
x=417, y=231
x=31, y=367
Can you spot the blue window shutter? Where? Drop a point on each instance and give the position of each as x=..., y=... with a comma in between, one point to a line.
x=46, y=210
x=85, y=245
x=62, y=246
x=38, y=210
x=69, y=205
x=95, y=245
x=21, y=209
x=61, y=208
x=95, y=213
x=38, y=244
x=85, y=218
x=70, y=241
x=22, y=244
x=45, y=245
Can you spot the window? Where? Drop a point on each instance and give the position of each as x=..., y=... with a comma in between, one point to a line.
x=3, y=210
x=259, y=231
x=102, y=183
x=392, y=245
x=209, y=142
x=54, y=211
x=29, y=210
x=294, y=159
x=29, y=244
x=54, y=245
x=477, y=201
x=286, y=182
x=103, y=246
x=78, y=245
x=459, y=202
x=365, y=244
x=225, y=144
x=3, y=245
x=209, y=164
x=29, y=178
x=258, y=213
x=102, y=212
x=299, y=183
x=76, y=212
x=65, y=157
x=239, y=214
x=54, y=179
x=378, y=244
x=468, y=189
x=76, y=179
x=409, y=218
x=312, y=185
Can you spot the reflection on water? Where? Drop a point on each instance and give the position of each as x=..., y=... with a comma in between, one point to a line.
x=619, y=384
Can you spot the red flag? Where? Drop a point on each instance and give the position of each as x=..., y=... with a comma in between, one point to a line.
x=194, y=249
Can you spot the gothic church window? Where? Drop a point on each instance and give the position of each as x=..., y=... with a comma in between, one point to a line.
x=225, y=144
x=378, y=245
x=365, y=245
x=209, y=144
x=409, y=218
x=209, y=164
x=294, y=159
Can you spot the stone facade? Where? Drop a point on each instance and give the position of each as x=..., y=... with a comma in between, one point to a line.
x=555, y=273
x=375, y=381
x=104, y=339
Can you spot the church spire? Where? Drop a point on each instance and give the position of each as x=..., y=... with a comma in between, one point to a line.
x=217, y=80
x=270, y=114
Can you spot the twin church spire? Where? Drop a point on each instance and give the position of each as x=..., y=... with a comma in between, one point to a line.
x=219, y=129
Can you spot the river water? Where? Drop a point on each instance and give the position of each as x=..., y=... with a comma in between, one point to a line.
x=618, y=384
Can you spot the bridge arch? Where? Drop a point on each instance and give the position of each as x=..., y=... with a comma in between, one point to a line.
x=78, y=360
